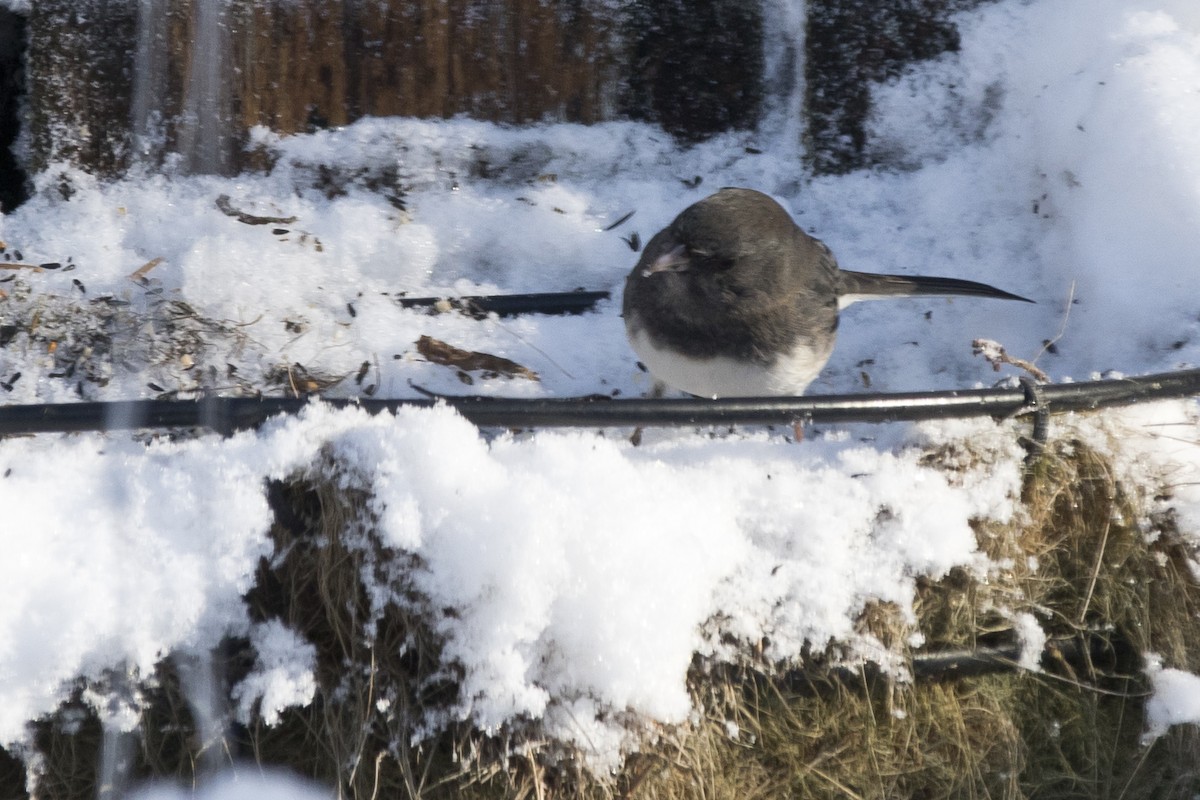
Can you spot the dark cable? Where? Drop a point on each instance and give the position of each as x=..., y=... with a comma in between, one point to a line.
x=227, y=414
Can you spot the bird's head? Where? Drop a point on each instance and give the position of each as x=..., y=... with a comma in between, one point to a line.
x=726, y=231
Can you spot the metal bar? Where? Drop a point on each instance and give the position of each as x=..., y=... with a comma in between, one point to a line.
x=507, y=305
x=227, y=414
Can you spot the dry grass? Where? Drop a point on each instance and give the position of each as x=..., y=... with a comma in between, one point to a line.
x=1082, y=558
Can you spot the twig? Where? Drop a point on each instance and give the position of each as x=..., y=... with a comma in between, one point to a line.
x=533, y=346
x=140, y=273
x=1062, y=329
x=996, y=355
x=1087, y=598
x=1141, y=763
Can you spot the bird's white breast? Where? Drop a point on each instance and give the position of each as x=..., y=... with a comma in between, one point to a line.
x=722, y=376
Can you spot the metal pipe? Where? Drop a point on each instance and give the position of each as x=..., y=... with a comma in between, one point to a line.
x=507, y=305
x=228, y=414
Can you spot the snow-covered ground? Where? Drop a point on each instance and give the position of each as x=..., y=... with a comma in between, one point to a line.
x=1054, y=156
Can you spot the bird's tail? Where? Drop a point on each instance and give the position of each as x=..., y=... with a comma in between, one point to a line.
x=856, y=286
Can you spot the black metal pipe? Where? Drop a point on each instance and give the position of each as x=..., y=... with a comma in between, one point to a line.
x=227, y=414
x=507, y=305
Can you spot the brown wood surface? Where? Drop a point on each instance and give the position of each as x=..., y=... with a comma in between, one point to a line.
x=693, y=66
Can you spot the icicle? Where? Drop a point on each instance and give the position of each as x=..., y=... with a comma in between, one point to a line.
x=204, y=130
x=201, y=686
x=150, y=80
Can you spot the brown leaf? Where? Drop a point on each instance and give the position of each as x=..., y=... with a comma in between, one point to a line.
x=140, y=273
x=439, y=352
x=249, y=219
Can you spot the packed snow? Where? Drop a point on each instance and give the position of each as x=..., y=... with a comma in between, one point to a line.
x=1053, y=156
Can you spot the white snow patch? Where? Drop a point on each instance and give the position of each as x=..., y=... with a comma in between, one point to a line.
x=248, y=783
x=282, y=676
x=1175, y=699
x=1032, y=640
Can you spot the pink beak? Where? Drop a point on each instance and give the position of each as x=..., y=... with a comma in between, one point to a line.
x=674, y=260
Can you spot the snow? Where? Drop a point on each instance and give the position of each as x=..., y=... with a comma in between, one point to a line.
x=1176, y=699
x=248, y=783
x=282, y=676
x=582, y=566
x=115, y=554
x=1053, y=156
x=1091, y=112
x=1032, y=639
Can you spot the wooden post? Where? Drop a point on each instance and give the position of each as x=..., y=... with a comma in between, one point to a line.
x=111, y=82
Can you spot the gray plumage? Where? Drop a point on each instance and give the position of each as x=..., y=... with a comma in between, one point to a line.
x=734, y=299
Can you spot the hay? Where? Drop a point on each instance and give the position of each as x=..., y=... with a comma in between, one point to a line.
x=1083, y=557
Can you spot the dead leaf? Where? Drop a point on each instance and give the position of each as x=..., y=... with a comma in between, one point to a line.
x=249, y=219
x=438, y=352
x=140, y=273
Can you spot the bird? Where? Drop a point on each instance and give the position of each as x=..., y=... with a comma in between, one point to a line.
x=733, y=299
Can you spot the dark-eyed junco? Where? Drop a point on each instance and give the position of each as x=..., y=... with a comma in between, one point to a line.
x=732, y=299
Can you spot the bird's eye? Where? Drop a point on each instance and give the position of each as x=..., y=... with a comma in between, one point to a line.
x=714, y=258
